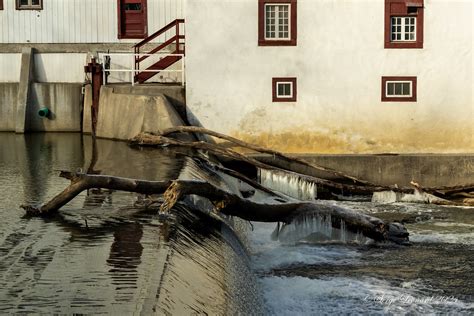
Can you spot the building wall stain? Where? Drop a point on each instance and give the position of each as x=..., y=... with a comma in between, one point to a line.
x=303, y=132
x=338, y=142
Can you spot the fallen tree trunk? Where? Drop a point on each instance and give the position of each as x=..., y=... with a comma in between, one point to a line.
x=226, y=203
x=455, y=195
x=442, y=190
x=146, y=139
x=240, y=143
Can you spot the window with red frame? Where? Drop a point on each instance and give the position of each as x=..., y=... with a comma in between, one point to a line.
x=284, y=89
x=277, y=22
x=404, y=23
x=399, y=89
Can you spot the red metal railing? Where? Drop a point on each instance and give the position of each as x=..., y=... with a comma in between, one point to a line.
x=175, y=39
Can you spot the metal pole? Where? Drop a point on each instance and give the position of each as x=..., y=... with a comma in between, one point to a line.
x=133, y=70
x=103, y=70
x=182, y=72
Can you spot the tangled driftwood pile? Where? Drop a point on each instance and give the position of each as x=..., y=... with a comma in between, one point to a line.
x=243, y=204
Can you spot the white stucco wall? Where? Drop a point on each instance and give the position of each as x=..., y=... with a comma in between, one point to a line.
x=78, y=21
x=339, y=61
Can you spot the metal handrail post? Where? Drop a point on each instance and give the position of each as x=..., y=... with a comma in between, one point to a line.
x=133, y=71
x=182, y=72
x=103, y=70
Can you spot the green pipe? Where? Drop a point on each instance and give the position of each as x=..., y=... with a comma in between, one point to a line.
x=43, y=112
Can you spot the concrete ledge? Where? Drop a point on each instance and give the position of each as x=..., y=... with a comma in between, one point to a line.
x=75, y=47
x=427, y=170
x=176, y=94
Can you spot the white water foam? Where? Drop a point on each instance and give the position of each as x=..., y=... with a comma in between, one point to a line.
x=288, y=184
x=268, y=254
x=318, y=228
x=343, y=295
x=442, y=237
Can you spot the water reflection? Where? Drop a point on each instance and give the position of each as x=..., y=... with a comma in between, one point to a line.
x=101, y=254
x=125, y=255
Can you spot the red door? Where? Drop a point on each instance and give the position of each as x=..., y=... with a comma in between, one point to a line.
x=132, y=21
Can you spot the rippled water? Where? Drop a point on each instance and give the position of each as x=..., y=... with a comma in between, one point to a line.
x=103, y=254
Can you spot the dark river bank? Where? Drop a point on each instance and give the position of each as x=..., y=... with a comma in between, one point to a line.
x=107, y=254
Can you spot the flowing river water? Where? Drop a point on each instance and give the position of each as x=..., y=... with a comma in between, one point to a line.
x=106, y=253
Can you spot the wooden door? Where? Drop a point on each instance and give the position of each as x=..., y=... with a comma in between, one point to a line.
x=132, y=19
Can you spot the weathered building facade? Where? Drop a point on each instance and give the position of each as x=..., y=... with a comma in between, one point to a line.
x=327, y=76
x=65, y=33
x=45, y=44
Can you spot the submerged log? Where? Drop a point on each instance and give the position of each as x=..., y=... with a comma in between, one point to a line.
x=226, y=203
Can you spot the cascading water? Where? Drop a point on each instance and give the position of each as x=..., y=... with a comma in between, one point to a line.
x=288, y=184
x=318, y=228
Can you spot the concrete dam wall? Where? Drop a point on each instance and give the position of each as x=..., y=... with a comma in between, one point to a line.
x=21, y=101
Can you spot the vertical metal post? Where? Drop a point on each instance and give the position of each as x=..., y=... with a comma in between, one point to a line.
x=182, y=71
x=133, y=69
x=177, y=37
x=97, y=77
x=103, y=69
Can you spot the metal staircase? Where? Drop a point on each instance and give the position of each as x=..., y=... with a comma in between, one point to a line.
x=176, y=43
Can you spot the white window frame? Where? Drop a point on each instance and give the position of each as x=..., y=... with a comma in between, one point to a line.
x=403, y=25
x=387, y=95
x=30, y=5
x=284, y=96
x=277, y=21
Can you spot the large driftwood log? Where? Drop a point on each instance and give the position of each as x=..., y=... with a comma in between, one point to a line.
x=226, y=203
x=438, y=191
x=456, y=195
x=150, y=140
x=240, y=143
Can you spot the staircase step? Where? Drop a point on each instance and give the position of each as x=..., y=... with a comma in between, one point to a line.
x=158, y=66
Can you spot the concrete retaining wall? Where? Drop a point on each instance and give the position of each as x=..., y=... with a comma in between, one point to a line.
x=427, y=170
x=64, y=102
x=123, y=116
x=8, y=102
x=62, y=99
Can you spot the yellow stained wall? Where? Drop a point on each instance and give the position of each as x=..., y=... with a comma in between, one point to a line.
x=338, y=61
